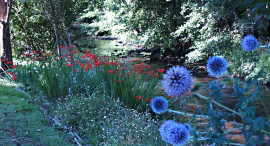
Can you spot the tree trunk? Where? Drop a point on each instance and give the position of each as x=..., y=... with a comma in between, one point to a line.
x=5, y=44
x=55, y=28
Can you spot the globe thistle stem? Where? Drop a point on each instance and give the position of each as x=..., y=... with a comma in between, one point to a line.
x=218, y=104
x=187, y=114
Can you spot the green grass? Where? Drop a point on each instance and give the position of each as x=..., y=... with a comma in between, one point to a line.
x=23, y=123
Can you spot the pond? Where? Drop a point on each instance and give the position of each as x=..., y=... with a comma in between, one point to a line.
x=127, y=52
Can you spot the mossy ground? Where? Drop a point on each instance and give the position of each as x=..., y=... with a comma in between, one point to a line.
x=23, y=122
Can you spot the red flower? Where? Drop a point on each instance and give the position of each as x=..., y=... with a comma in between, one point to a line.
x=122, y=75
x=193, y=107
x=138, y=60
x=79, y=61
x=148, y=66
x=186, y=106
x=62, y=46
x=115, y=64
x=34, y=52
x=160, y=70
x=3, y=60
x=75, y=70
x=28, y=55
x=75, y=51
x=10, y=73
x=129, y=73
x=139, y=71
x=68, y=61
x=69, y=65
x=83, y=56
x=13, y=77
x=150, y=72
x=130, y=61
x=54, y=59
x=141, y=64
x=82, y=65
x=120, y=69
x=136, y=97
x=14, y=66
x=34, y=59
x=109, y=63
x=156, y=75
x=140, y=98
x=110, y=71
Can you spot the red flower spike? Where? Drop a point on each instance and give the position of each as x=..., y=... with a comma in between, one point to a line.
x=84, y=57
x=3, y=60
x=108, y=63
x=140, y=98
x=148, y=66
x=141, y=64
x=34, y=52
x=82, y=65
x=142, y=68
x=14, y=66
x=120, y=69
x=34, y=59
x=129, y=73
x=79, y=61
x=13, y=77
x=130, y=61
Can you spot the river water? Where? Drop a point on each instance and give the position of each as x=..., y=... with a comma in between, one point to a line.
x=102, y=47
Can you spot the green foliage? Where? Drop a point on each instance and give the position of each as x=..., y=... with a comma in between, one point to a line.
x=31, y=26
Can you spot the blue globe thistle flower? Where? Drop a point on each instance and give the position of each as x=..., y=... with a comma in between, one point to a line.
x=177, y=81
x=159, y=105
x=174, y=133
x=249, y=43
x=217, y=66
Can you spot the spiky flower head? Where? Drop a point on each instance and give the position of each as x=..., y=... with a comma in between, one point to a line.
x=177, y=81
x=217, y=66
x=159, y=105
x=249, y=43
x=174, y=133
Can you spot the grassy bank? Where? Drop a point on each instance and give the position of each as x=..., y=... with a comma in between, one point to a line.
x=23, y=123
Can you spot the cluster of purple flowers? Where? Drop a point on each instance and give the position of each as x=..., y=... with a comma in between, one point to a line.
x=175, y=133
x=217, y=66
x=159, y=105
x=177, y=81
x=249, y=43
